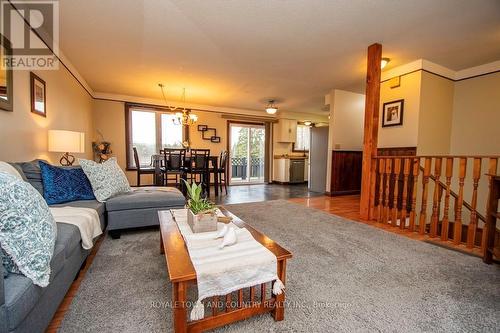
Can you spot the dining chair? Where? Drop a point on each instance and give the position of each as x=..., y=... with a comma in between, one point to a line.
x=141, y=170
x=222, y=169
x=174, y=164
x=199, y=165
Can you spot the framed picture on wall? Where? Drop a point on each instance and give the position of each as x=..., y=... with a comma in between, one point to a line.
x=392, y=113
x=38, y=96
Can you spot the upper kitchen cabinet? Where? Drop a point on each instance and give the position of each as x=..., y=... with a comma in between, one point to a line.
x=286, y=130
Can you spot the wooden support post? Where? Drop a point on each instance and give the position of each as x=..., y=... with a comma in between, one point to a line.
x=370, y=139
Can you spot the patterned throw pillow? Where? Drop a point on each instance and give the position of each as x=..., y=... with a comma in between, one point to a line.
x=27, y=230
x=107, y=179
x=64, y=184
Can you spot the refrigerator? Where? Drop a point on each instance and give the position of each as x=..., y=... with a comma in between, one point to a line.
x=318, y=154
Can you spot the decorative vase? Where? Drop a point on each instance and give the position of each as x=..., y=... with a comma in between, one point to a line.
x=202, y=222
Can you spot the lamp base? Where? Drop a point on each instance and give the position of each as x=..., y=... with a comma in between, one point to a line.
x=67, y=159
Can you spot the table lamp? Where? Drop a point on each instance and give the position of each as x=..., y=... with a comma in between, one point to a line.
x=66, y=142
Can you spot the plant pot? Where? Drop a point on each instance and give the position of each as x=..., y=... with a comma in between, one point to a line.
x=202, y=222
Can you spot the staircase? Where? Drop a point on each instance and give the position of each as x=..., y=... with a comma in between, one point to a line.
x=442, y=198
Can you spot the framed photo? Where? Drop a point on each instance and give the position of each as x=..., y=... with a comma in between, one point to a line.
x=392, y=114
x=215, y=139
x=38, y=96
x=202, y=128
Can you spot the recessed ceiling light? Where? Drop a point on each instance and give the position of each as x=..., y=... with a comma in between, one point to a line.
x=384, y=62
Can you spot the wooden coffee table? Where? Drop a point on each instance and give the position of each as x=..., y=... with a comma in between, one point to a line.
x=182, y=275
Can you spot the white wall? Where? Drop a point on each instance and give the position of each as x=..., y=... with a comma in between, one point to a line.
x=347, y=114
x=405, y=135
x=23, y=134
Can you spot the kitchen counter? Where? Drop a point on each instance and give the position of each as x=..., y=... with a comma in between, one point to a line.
x=288, y=157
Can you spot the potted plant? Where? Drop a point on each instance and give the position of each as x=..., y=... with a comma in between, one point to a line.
x=201, y=214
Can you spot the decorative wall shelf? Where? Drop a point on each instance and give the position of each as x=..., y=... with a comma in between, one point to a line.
x=206, y=133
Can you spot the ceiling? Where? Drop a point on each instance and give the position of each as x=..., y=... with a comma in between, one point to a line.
x=239, y=53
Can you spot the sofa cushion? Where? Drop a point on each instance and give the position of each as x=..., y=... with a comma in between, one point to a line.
x=68, y=236
x=62, y=185
x=21, y=295
x=33, y=174
x=100, y=207
x=151, y=197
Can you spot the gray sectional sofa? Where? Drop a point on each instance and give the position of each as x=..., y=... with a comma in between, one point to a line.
x=25, y=307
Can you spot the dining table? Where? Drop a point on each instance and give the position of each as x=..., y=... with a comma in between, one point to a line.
x=213, y=161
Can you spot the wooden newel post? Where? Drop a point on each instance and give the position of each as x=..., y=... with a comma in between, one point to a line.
x=372, y=101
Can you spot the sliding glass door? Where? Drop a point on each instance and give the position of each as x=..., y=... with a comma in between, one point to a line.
x=247, y=151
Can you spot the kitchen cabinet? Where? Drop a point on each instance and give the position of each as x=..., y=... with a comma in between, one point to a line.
x=286, y=130
x=282, y=170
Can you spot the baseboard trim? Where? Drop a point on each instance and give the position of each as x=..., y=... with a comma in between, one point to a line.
x=351, y=192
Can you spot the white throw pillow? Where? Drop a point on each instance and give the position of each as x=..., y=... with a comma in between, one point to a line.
x=107, y=179
x=7, y=168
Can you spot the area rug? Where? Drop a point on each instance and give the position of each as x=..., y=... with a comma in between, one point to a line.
x=343, y=277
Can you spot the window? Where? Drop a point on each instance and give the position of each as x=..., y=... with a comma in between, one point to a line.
x=302, y=139
x=149, y=130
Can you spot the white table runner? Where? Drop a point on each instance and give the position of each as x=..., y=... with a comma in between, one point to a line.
x=222, y=271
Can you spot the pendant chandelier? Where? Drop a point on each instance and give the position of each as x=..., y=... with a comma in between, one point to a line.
x=184, y=116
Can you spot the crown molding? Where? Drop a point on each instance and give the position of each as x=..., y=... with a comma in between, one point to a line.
x=160, y=102
x=429, y=66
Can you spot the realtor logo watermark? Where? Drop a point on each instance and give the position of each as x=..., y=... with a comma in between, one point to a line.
x=23, y=23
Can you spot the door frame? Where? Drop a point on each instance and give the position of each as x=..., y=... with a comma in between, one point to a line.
x=266, y=147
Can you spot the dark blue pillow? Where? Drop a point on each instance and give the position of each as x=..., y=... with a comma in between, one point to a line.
x=64, y=184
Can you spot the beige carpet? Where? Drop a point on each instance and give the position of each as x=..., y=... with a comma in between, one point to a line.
x=344, y=276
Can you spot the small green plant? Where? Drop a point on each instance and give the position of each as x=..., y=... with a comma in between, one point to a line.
x=196, y=203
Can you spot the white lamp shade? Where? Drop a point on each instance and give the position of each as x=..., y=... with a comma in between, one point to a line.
x=66, y=141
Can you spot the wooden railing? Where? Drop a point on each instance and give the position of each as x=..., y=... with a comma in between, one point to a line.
x=434, y=196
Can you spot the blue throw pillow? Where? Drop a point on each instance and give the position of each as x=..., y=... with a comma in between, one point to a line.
x=63, y=184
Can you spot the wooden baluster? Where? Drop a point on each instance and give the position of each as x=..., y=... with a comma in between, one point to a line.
x=404, y=202
x=373, y=180
x=492, y=170
x=446, y=215
x=436, y=197
x=425, y=192
x=415, y=173
x=229, y=299
x=388, y=169
x=457, y=232
x=381, y=170
x=263, y=293
x=471, y=230
x=397, y=170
